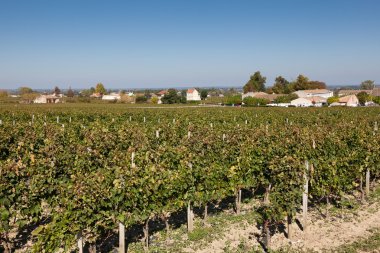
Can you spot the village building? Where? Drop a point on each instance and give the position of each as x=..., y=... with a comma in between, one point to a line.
x=47, y=99
x=192, y=95
x=301, y=102
x=314, y=93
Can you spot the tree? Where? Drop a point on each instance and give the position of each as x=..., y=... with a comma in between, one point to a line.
x=3, y=94
x=100, y=88
x=252, y=101
x=154, y=100
x=367, y=85
x=141, y=99
x=255, y=83
x=171, y=97
x=24, y=90
x=204, y=94
x=317, y=85
x=233, y=100
x=363, y=97
x=281, y=85
x=331, y=100
x=70, y=93
x=56, y=91
x=285, y=98
x=302, y=83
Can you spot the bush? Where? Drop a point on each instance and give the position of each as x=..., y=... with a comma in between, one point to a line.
x=141, y=99
x=251, y=101
x=286, y=98
x=233, y=100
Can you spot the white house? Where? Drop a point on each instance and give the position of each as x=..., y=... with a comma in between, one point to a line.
x=317, y=101
x=314, y=93
x=111, y=97
x=351, y=101
x=192, y=95
x=46, y=99
x=301, y=102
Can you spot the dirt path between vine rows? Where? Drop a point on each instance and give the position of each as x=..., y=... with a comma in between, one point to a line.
x=322, y=233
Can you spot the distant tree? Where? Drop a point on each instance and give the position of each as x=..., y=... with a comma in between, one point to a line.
x=376, y=100
x=154, y=100
x=3, y=94
x=255, y=83
x=286, y=98
x=233, y=100
x=147, y=94
x=56, y=90
x=367, y=85
x=29, y=97
x=251, y=101
x=70, y=93
x=172, y=97
x=301, y=83
x=280, y=85
x=363, y=97
x=24, y=90
x=204, y=94
x=100, y=88
x=317, y=85
x=331, y=100
x=141, y=99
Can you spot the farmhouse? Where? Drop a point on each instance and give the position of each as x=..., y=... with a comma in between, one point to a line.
x=314, y=93
x=301, y=102
x=192, y=95
x=111, y=97
x=270, y=97
x=47, y=99
x=350, y=100
x=343, y=93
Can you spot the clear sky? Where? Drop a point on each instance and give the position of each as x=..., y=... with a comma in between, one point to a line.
x=163, y=43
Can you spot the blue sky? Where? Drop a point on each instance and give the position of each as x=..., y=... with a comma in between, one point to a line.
x=165, y=43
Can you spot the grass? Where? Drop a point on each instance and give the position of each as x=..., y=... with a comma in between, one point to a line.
x=363, y=245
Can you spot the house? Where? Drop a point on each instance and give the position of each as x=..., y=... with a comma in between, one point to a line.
x=47, y=99
x=351, y=101
x=192, y=95
x=111, y=97
x=343, y=93
x=376, y=92
x=96, y=95
x=270, y=97
x=317, y=101
x=301, y=102
x=314, y=93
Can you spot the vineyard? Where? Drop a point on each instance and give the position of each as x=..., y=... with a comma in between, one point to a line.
x=73, y=175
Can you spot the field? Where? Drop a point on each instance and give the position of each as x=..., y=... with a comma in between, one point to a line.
x=77, y=174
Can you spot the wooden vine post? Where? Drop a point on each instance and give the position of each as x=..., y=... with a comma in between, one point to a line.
x=266, y=228
x=121, y=238
x=367, y=181
x=305, y=196
x=80, y=242
x=238, y=201
x=190, y=218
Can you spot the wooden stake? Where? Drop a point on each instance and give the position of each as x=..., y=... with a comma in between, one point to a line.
x=133, y=160
x=80, y=242
x=224, y=137
x=188, y=135
x=190, y=217
x=57, y=119
x=305, y=196
x=157, y=134
x=367, y=180
x=290, y=232
x=121, y=238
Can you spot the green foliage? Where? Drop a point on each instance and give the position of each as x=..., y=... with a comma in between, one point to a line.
x=204, y=94
x=24, y=90
x=255, y=83
x=285, y=98
x=363, y=97
x=141, y=99
x=233, y=100
x=367, y=85
x=171, y=97
x=281, y=86
x=81, y=176
x=252, y=101
x=70, y=93
x=331, y=100
x=100, y=88
x=376, y=100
